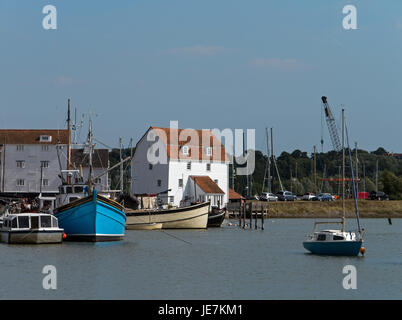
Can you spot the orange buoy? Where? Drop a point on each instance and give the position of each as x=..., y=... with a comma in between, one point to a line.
x=362, y=250
x=64, y=235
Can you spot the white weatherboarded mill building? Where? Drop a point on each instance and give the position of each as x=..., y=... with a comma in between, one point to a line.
x=191, y=164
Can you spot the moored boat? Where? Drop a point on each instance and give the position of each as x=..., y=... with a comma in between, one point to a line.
x=215, y=217
x=30, y=228
x=338, y=242
x=92, y=218
x=190, y=217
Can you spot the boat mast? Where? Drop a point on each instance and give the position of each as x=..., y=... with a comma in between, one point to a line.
x=68, y=143
x=343, y=170
x=121, y=166
x=90, y=155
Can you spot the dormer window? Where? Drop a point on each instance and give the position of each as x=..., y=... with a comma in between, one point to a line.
x=45, y=138
x=208, y=151
x=184, y=150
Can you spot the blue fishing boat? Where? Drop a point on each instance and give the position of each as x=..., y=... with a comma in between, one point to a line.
x=92, y=218
x=338, y=242
x=83, y=213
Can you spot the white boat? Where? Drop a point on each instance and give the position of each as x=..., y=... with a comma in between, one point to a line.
x=190, y=217
x=30, y=228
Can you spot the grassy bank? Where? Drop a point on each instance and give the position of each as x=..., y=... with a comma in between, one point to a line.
x=332, y=209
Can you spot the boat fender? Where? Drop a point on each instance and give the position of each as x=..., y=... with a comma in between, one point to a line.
x=362, y=250
x=64, y=235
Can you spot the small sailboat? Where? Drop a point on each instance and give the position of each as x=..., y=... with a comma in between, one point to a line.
x=338, y=242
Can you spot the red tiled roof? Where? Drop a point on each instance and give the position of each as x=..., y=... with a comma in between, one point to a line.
x=31, y=136
x=233, y=195
x=197, y=149
x=207, y=185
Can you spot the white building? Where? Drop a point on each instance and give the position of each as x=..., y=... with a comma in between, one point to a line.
x=31, y=160
x=193, y=166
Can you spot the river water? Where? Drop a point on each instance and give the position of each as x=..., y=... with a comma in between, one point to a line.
x=223, y=263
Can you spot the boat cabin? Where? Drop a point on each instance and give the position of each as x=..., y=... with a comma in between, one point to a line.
x=29, y=221
x=71, y=192
x=333, y=235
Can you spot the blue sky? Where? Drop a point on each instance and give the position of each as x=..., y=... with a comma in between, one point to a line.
x=208, y=64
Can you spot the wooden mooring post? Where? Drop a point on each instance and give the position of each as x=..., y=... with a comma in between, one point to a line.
x=256, y=219
x=244, y=216
x=250, y=211
x=262, y=217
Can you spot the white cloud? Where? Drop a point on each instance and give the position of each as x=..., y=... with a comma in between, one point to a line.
x=197, y=50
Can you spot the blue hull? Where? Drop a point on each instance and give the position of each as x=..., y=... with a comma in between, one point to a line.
x=341, y=248
x=93, y=218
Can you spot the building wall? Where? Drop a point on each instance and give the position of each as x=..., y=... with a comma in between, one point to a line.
x=178, y=170
x=144, y=179
x=32, y=155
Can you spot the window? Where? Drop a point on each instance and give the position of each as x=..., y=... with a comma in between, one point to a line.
x=321, y=237
x=45, y=147
x=184, y=150
x=34, y=222
x=44, y=164
x=23, y=222
x=20, y=164
x=79, y=179
x=45, y=138
x=208, y=167
x=150, y=166
x=45, y=221
x=171, y=199
x=188, y=165
x=20, y=147
x=338, y=238
x=216, y=181
x=14, y=223
x=20, y=182
x=180, y=183
x=208, y=151
x=69, y=189
x=159, y=183
x=45, y=182
x=54, y=223
x=78, y=189
x=98, y=180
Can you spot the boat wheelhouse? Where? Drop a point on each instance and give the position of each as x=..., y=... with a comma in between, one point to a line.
x=31, y=228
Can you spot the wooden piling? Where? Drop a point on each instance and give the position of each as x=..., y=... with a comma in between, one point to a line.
x=250, y=211
x=262, y=218
x=244, y=216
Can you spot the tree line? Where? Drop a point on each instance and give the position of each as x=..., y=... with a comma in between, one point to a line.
x=296, y=172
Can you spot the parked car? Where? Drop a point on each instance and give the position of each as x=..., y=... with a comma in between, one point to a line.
x=286, y=196
x=323, y=197
x=267, y=196
x=378, y=195
x=308, y=196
